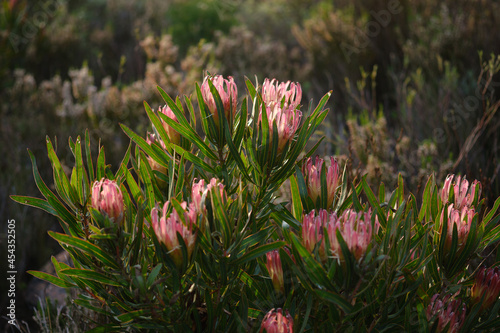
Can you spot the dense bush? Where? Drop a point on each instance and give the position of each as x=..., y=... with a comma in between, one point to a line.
x=189, y=234
x=415, y=87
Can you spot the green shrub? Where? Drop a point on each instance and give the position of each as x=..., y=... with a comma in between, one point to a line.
x=188, y=234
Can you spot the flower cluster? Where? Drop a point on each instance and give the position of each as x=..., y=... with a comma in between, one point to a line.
x=286, y=94
x=460, y=212
x=107, y=198
x=200, y=191
x=461, y=219
x=312, y=172
x=355, y=228
x=228, y=93
x=170, y=224
x=275, y=321
x=280, y=106
x=462, y=194
x=487, y=285
x=449, y=313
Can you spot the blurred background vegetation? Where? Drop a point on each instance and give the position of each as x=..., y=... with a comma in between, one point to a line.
x=414, y=84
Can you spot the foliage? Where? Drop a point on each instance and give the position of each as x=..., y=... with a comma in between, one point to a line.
x=210, y=272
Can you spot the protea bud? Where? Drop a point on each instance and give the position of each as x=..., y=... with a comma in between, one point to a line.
x=487, y=285
x=356, y=230
x=107, y=198
x=150, y=139
x=228, y=93
x=462, y=219
x=312, y=174
x=312, y=232
x=287, y=93
x=172, y=134
x=167, y=227
x=275, y=270
x=275, y=321
x=287, y=120
x=449, y=313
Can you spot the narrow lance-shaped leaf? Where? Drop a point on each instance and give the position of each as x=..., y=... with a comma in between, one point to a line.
x=85, y=246
x=52, y=279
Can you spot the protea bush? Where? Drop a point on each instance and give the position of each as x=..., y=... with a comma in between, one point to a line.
x=187, y=234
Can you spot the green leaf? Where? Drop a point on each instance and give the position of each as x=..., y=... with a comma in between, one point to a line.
x=101, y=164
x=144, y=145
x=85, y=246
x=314, y=270
x=82, y=178
x=35, y=202
x=61, y=181
x=52, y=279
x=257, y=252
x=335, y=299
x=88, y=155
x=236, y=155
x=297, y=208
x=183, y=127
x=130, y=316
x=193, y=158
x=88, y=274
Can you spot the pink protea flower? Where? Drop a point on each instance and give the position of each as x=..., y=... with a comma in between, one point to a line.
x=356, y=230
x=449, y=313
x=312, y=232
x=312, y=174
x=228, y=93
x=275, y=270
x=107, y=198
x=275, y=321
x=200, y=191
x=463, y=194
x=172, y=134
x=289, y=93
x=150, y=139
x=167, y=227
x=462, y=219
x=445, y=192
x=487, y=285
x=287, y=120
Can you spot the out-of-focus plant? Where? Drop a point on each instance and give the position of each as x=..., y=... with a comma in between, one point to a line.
x=189, y=234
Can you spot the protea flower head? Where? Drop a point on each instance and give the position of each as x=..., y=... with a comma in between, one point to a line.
x=107, y=198
x=487, y=285
x=288, y=93
x=275, y=321
x=172, y=134
x=312, y=232
x=312, y=173
x=150, y=139
x=168, y=226
x=463, y=194
x=228, y=93
x=445, y=192
x=275, y=270
x=462, y=219
x=450, y=313
x=356, y=230
x=287, y=120
x=200, y=191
